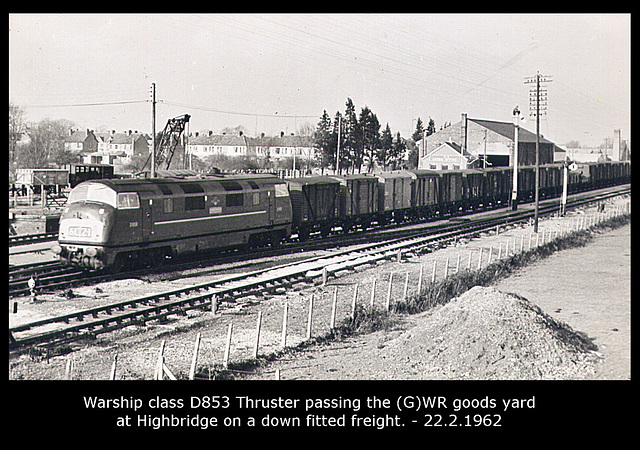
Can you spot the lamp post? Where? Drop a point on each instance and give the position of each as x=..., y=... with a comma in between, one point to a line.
x=514, y=193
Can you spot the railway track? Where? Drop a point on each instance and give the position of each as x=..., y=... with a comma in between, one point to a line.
x=214, y=295
x=54, y=277
x=23, y=239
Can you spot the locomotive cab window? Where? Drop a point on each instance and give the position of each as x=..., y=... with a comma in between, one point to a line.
x=128, y=200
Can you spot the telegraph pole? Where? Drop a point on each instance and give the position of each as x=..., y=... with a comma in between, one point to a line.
x=538, y=108
x=153, y=130
x=338, y=152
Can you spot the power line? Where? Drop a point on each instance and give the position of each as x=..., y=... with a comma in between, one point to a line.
x=237, y=113
x=73, y=105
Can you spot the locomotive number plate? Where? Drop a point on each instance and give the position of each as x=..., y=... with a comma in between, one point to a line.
x=80, y=231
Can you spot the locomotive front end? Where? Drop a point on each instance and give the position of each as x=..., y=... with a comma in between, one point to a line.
x=85, y=226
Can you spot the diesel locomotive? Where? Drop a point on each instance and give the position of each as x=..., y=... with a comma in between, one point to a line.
x=119, y=222
x=114, y=223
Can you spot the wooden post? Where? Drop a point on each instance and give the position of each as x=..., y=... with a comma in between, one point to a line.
x=67, y=371
x=277, y=374
x=530, y=236
x=324, y=276
x=406, y=287
x=458, y=263
x=227, y=349
x=537, y=239
x=446, y=267
x=309, y=317
x=283, y=341
x=420, y=279
x=399, y=255
x=112, y=375
x=500, y=251
x=469, y=262
x=196, y=348
x=490, y=254
x=521, y=243
x=480, y=259
x=160, y=363
x=334, y=306
x=373, y=293
x=257, y=341
x=353, y=303
x=433, y=275
x=389, y=291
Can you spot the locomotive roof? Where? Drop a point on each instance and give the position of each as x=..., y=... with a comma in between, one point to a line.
x=121, y=185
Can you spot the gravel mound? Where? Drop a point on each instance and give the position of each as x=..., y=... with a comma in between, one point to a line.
x=488, y=334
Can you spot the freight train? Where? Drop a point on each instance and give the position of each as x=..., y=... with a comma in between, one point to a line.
x=113, y=224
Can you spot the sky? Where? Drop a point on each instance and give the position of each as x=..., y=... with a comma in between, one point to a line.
x=272, y=73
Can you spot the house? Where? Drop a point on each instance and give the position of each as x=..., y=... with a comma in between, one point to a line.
x=286, y=146
x=490, y=140
x=211, y=144
x=81, y=141
x=448, y=155
x=119, y=148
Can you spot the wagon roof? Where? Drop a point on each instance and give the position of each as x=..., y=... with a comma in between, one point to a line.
x=424, y=172
x=396, y=174
x=313, y=180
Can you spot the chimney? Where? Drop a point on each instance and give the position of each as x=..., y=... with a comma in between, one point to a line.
x=617, y=148
x=463, y=132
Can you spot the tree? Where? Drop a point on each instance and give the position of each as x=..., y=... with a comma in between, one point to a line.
x=47, y=145
x=324, y=142
x=350, y=145
x=17, y=126
x=419, y=131
x=384, y=152
x=398, y=151
x=431, y=127
x=370, y=137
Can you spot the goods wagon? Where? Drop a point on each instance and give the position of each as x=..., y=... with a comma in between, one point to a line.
x=358, y=200
x=473, y=189
x=85, y=172
x=315, y=204
x=498, y=185
x=450, y=200
x=113, y=223
x=426, y=193
x=395, y=195
x=36, y=178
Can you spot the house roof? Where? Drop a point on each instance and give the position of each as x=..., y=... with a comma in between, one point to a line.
x=455, y=147
x=507, y=129
x=77, y=136
x=224, y=140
